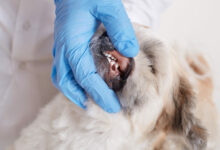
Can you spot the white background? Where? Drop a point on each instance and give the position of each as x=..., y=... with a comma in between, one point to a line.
x=196, y=22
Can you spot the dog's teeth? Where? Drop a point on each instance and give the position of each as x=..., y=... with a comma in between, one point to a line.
x=113, y=58
x=109, y=57
x=106, y=54
x=109, y=60
x=113, y=62
x=116, y=65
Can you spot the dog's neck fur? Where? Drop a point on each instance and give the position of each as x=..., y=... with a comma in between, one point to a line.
x=164, y=96
x=150, y=97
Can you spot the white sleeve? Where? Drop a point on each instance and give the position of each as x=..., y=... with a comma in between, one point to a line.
x=26, y=40
x=146, y=12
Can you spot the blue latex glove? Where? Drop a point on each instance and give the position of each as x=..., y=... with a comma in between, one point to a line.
x=74, y=70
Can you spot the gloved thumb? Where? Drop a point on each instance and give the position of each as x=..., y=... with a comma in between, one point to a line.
x=114, y=17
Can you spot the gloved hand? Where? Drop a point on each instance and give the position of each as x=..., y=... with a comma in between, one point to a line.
x=74, y=70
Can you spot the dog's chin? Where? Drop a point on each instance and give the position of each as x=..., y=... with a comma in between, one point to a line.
x=111, y=65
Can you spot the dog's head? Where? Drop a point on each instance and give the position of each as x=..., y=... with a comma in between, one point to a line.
x=153, y=81
x=135, y=80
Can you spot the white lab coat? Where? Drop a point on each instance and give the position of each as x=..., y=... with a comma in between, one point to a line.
x=26, y=40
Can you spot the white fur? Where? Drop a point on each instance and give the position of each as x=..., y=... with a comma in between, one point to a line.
x=62, y=125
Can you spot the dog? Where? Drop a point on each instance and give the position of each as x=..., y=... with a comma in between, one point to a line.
x=165, y=96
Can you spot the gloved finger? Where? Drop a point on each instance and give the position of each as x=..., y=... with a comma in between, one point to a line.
x=63, y=79
x=73, y=91
x=118, y=26
x=85, y=74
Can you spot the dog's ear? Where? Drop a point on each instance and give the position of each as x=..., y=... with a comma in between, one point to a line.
x=183, y=121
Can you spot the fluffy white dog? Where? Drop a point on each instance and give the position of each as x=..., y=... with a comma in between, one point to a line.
x=165, y=97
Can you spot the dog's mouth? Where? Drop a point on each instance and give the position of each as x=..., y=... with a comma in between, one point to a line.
x=113, y=67
x=120, y=68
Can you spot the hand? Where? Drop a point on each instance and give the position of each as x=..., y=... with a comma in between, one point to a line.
x=74, y=70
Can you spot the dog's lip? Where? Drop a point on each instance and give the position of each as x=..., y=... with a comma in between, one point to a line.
x=121, y=60
x=119, y=69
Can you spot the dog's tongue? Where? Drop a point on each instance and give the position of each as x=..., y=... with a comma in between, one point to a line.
x=121, y=60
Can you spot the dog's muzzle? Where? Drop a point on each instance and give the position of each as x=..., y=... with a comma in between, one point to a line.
x=111, y=65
